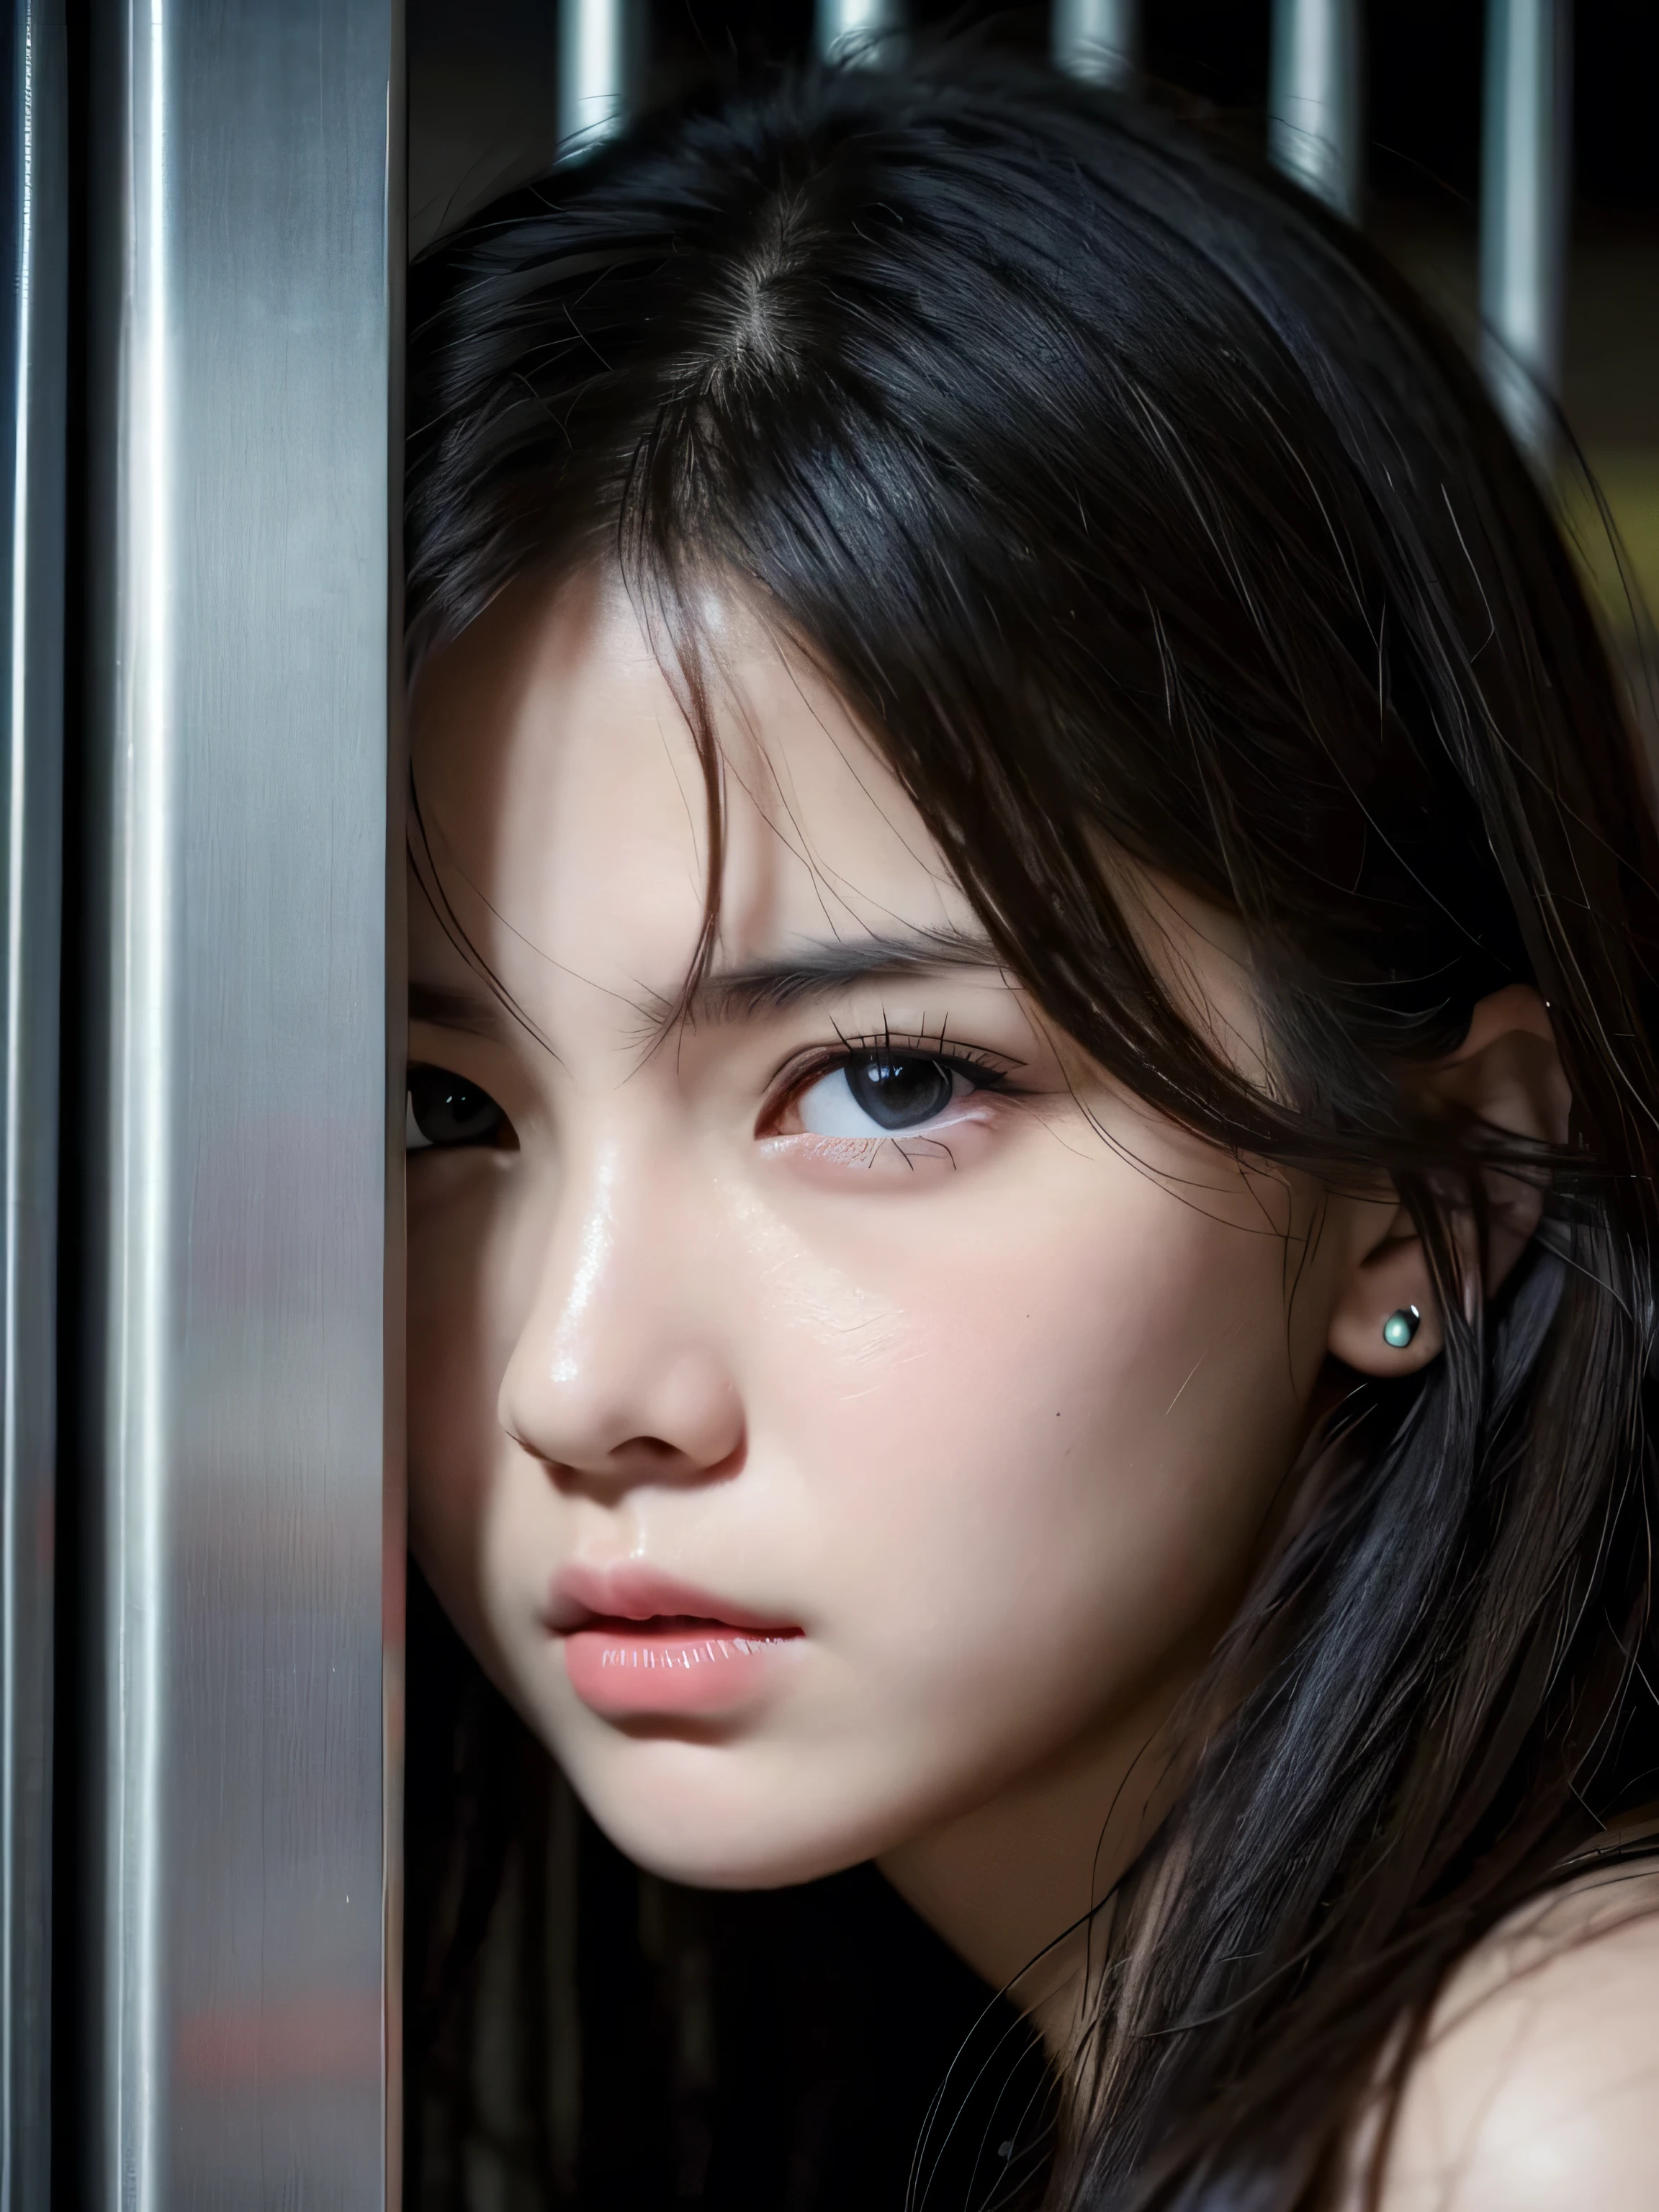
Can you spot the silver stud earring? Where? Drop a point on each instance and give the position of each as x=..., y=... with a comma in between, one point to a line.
x=1400, y=1327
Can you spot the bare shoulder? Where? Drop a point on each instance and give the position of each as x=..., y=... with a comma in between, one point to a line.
x=1538, y=2090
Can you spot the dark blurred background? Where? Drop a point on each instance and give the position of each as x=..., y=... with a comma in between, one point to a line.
x=481, y=75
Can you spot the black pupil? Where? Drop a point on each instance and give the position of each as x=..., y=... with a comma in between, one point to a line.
x=899, y=1093
x=448, y=1110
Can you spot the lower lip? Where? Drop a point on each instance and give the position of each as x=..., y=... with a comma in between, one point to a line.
x=619, y=1667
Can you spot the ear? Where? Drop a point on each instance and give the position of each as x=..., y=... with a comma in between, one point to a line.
x=1508, y=1073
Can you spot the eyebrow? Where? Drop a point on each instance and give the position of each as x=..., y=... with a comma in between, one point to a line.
x=448, y=1008
x=814, y=971
x=820, y=970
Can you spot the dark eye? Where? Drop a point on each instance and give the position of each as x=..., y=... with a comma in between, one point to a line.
x=448, y=1109
x=876, y=1094
x=899, y=1092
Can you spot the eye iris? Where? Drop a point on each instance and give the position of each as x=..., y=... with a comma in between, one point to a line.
x=449, y=1111
x=899, y=1093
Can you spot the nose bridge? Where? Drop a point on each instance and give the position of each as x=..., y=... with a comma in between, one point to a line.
x=595, y=1298
x=617, y=1343
x=581, y=1262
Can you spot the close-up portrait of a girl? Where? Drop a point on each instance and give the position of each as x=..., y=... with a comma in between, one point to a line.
x=1031, y=1132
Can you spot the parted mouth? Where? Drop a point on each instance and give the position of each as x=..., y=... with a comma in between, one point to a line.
x=634, y=1600
x=666, y=1645
x=638, y=1646
x=681, y=1628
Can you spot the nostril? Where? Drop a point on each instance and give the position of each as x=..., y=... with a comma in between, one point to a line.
x=630, y=1416
x=641, y=1458
x=647, y=1457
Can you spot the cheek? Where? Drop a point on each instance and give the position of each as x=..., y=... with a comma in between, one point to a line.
x=1047, y=1465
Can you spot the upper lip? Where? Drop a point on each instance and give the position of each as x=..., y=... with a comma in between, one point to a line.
x=632, y=1591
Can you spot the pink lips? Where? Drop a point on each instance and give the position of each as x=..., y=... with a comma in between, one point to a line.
x=636, y=1643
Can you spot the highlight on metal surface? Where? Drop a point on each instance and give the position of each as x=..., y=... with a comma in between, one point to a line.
x=35, y=198
x=1526, y=181
x=1098, y=41
x=245, y=203
x=596, y=42
x=1315, y=100
x=859, y=34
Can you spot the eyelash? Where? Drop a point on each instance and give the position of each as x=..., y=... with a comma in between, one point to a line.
x=988, y=1071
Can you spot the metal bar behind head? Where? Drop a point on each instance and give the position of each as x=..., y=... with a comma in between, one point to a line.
x=31, y=476
x=596, y=53
x=1315, y=100
x=245, y=190
x=1526, y=184
x=860, y=33
x=1098, y=42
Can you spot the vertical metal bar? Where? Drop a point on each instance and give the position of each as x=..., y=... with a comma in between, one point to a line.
x=1098, y=41
x=1315, y=101
x=32, y=409
x=861, y=33
x=596, y=41
x=247, y=202
x=1525, y=187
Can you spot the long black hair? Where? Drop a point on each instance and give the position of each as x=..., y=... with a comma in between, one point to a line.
x=1124, y=496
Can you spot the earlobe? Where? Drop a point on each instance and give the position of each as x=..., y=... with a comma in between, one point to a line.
x=1506, y=1074
x=1387, y=1321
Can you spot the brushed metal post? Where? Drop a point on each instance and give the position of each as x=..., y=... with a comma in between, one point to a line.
x=1314, y=104
x=597, y=39
x=246, y=199
x=32, y=481
x=1098, y=41
x=860, y=33
x=1526, y=184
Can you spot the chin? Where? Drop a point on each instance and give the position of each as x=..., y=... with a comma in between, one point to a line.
x=726, y=1864
x=686, y=1829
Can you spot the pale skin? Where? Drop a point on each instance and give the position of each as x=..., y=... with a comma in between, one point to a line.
x=992, y=1414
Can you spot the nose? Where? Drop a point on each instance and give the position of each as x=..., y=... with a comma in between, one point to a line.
x=617, y=1377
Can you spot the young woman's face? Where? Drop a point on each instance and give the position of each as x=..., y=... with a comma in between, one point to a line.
x=839, y=1410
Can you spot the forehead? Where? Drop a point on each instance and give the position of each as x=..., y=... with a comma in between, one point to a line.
x=565, y=810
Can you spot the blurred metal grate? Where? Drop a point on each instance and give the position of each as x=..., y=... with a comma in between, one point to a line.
x=859, y=33
x=1098, y=42
x=35, y=190
x=241, y=1383
x=1526, y=185
x=597, y=43
x=1315, y=126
